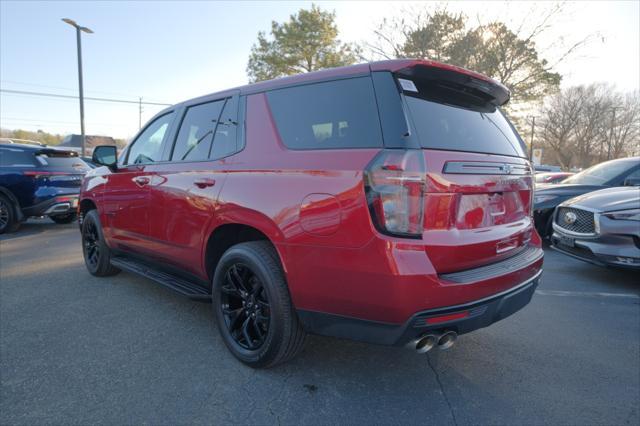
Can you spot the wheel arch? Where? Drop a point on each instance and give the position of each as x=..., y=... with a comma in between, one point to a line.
x=87, y=204
x=227, y=235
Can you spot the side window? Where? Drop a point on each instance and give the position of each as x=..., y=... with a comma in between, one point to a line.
x=196, y=132
x=335, y=114
x=14, y=157
x=633, y=178
x=147, y=148
x=224, y=143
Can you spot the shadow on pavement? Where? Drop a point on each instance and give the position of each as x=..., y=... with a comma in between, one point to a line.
x=35, y=227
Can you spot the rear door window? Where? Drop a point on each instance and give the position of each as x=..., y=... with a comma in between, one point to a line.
x=196, y=132
x=224, y=142
x=15, y=157
x=459, y=127
x=332, y=115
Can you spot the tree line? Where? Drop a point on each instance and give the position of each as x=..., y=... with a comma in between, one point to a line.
x=43, y=137
x=576, y=126
x=38, y=136
x=584, y=125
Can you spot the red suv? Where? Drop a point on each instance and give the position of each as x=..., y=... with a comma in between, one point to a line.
x=387, y=202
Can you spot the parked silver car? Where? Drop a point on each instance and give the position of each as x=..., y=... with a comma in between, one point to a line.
x=601, y=227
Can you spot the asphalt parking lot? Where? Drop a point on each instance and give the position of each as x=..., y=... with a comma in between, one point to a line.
x=75, y=349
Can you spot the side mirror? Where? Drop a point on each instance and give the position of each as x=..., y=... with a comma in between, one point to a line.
x=632, y=181
x=105, y=155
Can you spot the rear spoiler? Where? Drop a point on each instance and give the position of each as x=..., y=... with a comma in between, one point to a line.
x=449, y=76
x=54, y=152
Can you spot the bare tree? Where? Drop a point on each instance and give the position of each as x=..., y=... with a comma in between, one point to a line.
x=557, y=124
x=625, y=134
x=577, y=125
x=509, y=53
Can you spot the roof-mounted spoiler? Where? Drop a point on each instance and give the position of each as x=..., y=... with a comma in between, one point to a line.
x=452, y=76
x=57, y=152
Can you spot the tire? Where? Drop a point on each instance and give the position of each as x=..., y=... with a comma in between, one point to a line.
x=273, y=334
x=64, y=218
x=8, y=217
x=97, y=256
x=548, y=229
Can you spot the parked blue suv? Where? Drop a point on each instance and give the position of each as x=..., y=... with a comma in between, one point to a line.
x=38, y=181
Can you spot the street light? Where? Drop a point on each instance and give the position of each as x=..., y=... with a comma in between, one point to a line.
x=88, y=31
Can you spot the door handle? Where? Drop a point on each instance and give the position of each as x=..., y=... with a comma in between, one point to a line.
x=204, y=182
x=142, y=180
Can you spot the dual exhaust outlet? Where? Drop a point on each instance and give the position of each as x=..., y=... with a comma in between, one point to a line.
x=424, y=344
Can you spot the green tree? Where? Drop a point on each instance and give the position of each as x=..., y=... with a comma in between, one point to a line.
x=494, y=49
x=307, y=42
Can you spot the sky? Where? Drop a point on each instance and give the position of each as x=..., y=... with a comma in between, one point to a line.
x=171, y=51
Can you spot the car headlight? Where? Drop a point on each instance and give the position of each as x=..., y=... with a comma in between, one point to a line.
x=631, y=214
x=537, y=199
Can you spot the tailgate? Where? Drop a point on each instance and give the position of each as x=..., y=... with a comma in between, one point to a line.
x=477, y=208
x=479, y=184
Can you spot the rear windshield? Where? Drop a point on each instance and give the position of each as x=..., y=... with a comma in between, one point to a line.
x=63, y=161
x=456, y=128
x=16, y=157
x=332, y=115
x=600, y=174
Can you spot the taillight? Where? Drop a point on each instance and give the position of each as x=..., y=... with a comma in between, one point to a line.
x=38, y=173
x=395, y=182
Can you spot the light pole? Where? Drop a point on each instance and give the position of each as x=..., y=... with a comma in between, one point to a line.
x=79, y=44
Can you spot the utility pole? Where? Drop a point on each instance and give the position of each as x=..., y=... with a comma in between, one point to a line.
x=79, y=46
x=140, y=113
x=533, y=131
x=613, y=125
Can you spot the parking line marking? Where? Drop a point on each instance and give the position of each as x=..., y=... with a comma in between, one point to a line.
x=585, y=294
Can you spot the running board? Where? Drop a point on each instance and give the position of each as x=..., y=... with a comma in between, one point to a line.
x=175, y=283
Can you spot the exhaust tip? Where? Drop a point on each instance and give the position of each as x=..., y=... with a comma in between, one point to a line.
x=424, y=344
x=447, y=340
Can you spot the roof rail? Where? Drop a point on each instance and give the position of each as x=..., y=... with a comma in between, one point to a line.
x=24, y=141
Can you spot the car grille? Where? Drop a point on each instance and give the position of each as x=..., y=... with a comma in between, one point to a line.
x=583, y=224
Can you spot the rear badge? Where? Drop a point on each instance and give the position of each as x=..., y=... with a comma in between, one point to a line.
x=407, y=85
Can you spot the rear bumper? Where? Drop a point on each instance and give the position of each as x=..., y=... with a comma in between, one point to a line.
x=385, y=285
x=464, y=318
x=59, y=205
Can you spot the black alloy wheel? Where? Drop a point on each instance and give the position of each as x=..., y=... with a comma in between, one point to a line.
x=91, y=245
x=97, y=256
x=8, y=220
x=245, y=306
x=252, y=305
x=4, y=214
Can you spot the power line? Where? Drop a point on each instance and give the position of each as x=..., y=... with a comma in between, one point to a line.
x=57, y=95
x=67, y=89
x=32, y=120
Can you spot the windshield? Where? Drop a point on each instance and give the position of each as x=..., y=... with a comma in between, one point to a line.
x=599, y=174
x=457, y=128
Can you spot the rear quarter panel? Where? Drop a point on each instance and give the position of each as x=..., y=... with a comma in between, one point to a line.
x=296, y=198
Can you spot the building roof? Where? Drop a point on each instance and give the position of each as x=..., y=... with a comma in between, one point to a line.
x=91, y=141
